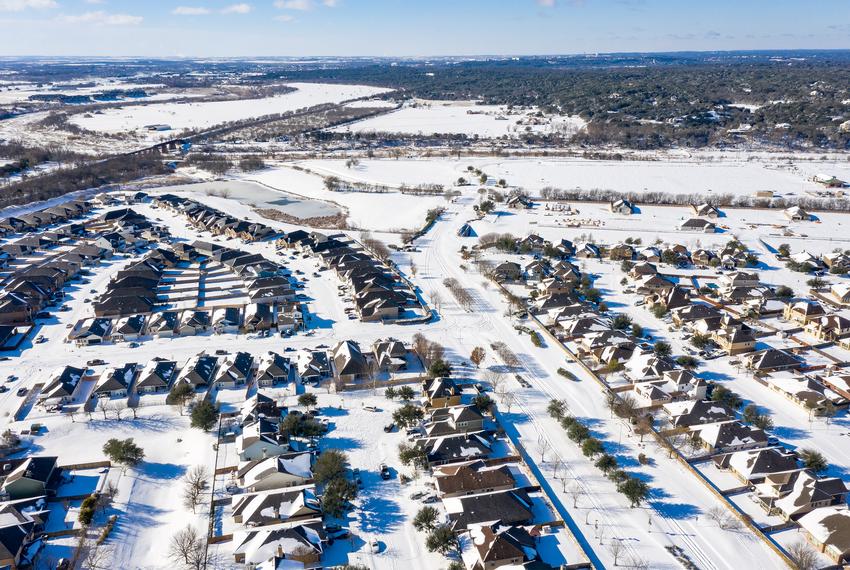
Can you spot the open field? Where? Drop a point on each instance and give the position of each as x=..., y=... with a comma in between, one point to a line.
x=183, y=116
x=464, y=118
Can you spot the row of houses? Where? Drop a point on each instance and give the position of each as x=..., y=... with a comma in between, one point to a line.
x=277, y=515
x=40, y=219
x=216, y=222
x=625, y=207
x=378, y=292
x=344, y=363
x=487, y=497
x=43, y=265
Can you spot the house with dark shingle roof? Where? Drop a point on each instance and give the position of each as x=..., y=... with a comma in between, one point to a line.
x=199, y=371
x=273, y=369
x=828, y=529
x=751, y=466
x=17, y=527
x=31, y=477
x=235, y=370
x=156, y=376
x=63, y=387
x=116, y=382
x=799, y=492
x=500, y=545
x=508, y=507
x=349, y=362
x=472, y=477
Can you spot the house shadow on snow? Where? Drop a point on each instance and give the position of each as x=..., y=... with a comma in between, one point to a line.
x=331, y=412
x=343, y=443
x=786, y=433
x=379, y=515
x=161, y=471
x=676, y=511
x=157, y=424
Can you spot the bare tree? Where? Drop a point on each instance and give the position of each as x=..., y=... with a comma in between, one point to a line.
x=543, y=446
x=187, y=548
x=803, y=555
x=636, y=562
x=496, y=380
x=716, y=514
x=94, y=556
x=103, y=405
x=616, y=547
x=508, y=400
x=195, y=482
x=436, y=300
x=557, y=466
x=575, y=492
x=117, y=408
x=134, y=405
x=70, y=412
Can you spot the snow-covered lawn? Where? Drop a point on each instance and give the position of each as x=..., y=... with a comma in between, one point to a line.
x=148, y=503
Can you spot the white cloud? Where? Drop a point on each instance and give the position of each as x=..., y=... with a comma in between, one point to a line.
x=20, y=5
x=237, y=9
x=546, y=3
x=190, y=11
x=294, y=4
x=284, y=18
x=95, y=1
x=330, y=3
x=103, y=19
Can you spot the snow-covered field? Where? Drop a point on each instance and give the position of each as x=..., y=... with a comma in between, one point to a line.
x=730, y=175
x=180, y=116
x=462, y=117
x=12, y=92
x=377, y=212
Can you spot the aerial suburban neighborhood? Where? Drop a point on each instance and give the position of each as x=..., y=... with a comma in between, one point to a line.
x=478, y=312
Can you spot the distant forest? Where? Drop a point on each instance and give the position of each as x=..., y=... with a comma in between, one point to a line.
x=646, y=101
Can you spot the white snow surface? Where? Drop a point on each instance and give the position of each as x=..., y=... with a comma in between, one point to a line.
x=189, y=115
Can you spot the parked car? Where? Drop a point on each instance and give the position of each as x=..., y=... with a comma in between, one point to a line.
x=96, y=362
x=389, y=428
x=220, y=352
x=22, y=392
x=11, y=378
x=133, y=344
x=386, y=474
x=418, y=495
x=370, y=408
x=43, y=315
x=4, y=388
x=40, y=339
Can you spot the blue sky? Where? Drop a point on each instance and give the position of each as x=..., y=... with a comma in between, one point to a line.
x=221, y=28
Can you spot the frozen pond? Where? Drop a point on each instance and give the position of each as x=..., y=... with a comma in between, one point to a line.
x=259, y=196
